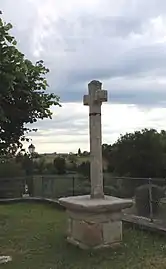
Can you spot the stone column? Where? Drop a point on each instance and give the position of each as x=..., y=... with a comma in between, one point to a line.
x=94, y=101
x=94, y=222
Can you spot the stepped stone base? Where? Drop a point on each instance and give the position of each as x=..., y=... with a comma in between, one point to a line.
x=94, y=223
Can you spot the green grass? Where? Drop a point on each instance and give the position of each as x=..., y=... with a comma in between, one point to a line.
x=33, y=235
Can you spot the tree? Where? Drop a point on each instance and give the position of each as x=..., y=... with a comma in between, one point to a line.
x=79, y=151
x=72, y=158
x=139, y=154
x=23, y=99
x=60, y=165
x=25, y=161
x=10, y=168
x=84, y=169
x=85, y=153
x=106, y=149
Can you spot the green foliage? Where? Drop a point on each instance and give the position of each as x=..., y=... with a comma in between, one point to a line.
x=142, y=198
x=47, y=168
x=41, y=167
x=11, y=179
x=85, y=183
x=112, y=191
x=85, y=153
x=72, y=158
x=25, y=162
x=106, y=150
x=84, y=169
x=10, y=169
x=60, y=165
x=139, y=154
x=127, y=186
x=81, y=191
x=23, y=99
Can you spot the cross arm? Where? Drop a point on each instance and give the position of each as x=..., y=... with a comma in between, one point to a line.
x=86, y=100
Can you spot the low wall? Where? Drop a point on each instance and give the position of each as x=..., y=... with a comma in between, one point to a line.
x=52, y=202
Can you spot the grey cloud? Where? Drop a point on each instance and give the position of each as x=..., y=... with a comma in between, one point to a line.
x=22, y=15
x=66, y=141
x=86, y=26
x=89, y=46
x=61, y=132
x=147, y=98
x=140, y=90
x=134, y=76
x=132, y=62
x=139, y=8
x=73, y=123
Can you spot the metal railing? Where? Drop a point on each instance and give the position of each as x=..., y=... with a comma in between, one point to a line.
x=149, y=201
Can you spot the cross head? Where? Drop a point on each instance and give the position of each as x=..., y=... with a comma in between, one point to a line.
x=96, y=94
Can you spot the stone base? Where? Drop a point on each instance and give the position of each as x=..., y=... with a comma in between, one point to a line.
x=94, y=223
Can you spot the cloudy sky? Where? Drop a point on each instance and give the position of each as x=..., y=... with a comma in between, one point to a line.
x=121, y=43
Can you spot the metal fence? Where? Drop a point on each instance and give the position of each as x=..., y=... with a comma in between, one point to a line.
x=149, y=198
x=148, y=194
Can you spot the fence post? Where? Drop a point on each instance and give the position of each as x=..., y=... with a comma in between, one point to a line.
x=150, y=200
x=73, y=185
x=42, y=187
x=52, y=188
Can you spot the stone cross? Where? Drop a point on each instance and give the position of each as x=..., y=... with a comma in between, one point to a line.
x=94, y=100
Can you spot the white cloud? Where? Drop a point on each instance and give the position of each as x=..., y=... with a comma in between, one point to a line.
x=69, y=128
x=122, y=43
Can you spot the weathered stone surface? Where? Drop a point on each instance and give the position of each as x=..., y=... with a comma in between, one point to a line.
x=77, y=243
x=92, y=234
x=86, y=204
x=96, y=97
x=97, y=235
x=77, y=231
x=112, y=232
x=94, y=217
x=88, y=234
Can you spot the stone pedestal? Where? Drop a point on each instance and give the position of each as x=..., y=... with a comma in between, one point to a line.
x=94, y=223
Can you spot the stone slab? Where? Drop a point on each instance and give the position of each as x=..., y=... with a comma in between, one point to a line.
x=95, y=217
x=95, y=235
x=86, y=204
x=112, y=232
x=86, y=233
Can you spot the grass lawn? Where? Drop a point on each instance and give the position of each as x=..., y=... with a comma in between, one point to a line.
x=33, y=234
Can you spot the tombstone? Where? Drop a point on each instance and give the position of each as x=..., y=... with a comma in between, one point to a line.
x=95, y=220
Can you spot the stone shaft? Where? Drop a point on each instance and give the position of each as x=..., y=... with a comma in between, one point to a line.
x=94, y=100
x=96, y=168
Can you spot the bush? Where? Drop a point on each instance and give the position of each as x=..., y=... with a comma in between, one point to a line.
x=142, y=199
x=127, y=186
x=84, y=169
x=60, y=165
x=110, y=190
x=82, y=191
x=11, y=180
x=11, y=169
x=86, y=184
